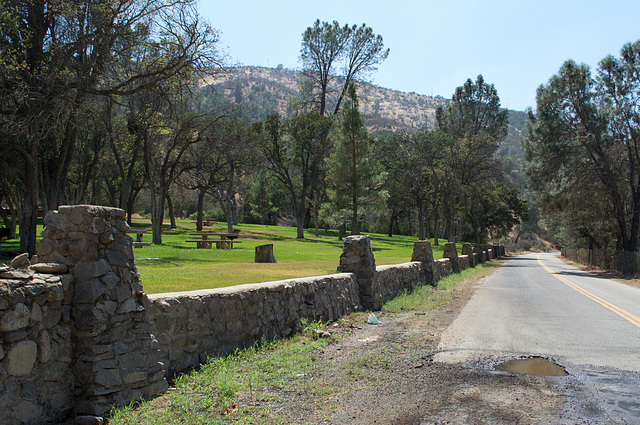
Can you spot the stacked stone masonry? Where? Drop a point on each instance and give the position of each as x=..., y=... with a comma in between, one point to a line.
x=79, y=335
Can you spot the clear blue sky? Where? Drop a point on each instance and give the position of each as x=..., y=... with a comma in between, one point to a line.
x=436, y=45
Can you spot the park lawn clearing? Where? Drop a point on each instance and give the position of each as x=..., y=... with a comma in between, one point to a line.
x=177, y=266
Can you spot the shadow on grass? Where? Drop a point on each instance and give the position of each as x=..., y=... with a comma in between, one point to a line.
x=381, y=249
x=173, y=261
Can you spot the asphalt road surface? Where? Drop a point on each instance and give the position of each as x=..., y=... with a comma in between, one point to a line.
x=536, y=305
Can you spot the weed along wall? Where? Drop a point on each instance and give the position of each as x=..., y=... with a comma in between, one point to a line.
x=79, y=335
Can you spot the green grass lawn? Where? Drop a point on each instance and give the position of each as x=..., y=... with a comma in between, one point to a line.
x=177, y=265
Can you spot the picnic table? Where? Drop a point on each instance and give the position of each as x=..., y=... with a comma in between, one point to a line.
x=226, y=241
x=207, y=221
x=138, y=243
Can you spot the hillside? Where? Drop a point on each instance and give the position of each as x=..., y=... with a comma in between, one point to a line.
x=263, y=91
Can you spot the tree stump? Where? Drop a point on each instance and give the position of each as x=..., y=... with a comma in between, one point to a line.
x=264, y=254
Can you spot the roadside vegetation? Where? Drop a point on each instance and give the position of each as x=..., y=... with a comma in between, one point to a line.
x=252, y=386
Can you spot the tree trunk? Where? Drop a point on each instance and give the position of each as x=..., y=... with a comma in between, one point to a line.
x=355, y=228
x=133, y=195
x=316, y=213
x=201, y=193
x=300, y=224
x=157, y=214
x=307, y=217
x=234, y=211
x=229, y=220
x=391, y=220
x=342, y=230
x=421, y=221
x=28, y=227
x=172, y=215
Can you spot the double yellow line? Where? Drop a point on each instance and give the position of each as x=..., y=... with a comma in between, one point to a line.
x=617, y=310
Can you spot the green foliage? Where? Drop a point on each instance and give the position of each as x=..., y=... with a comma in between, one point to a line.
x=351, y=167
x=582, y=150
x=474, y=110
x=295, y=151
x=324, y=45
x=476, y=187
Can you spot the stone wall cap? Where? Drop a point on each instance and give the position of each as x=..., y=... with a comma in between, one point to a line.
x=92, y=209
x=401, y=265
x=50, y=268
x=247, y=287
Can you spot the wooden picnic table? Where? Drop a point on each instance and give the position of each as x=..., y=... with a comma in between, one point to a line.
x=207, y=221
x=226, y=241
x=138, y=243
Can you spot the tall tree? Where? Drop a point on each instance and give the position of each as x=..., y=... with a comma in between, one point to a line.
x=236, y=147
x=324, y=48
x=295, y=151
x=55, y=55
x=173, y=130
x=587, y=130
x=476, y=125
x=352, y=168
x=426, y=177
x=474, y=109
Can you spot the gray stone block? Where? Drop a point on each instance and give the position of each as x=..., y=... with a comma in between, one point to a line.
x=21, y=358
x=15, y=319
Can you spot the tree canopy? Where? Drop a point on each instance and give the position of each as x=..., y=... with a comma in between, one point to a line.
x=54, y=56
x=583, y=147
x=328, y=46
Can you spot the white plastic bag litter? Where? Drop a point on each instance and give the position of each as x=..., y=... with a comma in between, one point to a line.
x=373, y=320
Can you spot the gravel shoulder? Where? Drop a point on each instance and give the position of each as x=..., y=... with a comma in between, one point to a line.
x=385, y=374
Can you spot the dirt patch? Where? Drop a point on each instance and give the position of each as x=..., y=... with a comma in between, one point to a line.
x=384, y=374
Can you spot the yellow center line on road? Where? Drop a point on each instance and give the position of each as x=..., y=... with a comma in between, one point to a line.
x=617, y=310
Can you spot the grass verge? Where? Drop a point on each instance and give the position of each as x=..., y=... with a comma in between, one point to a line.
x=259, y=380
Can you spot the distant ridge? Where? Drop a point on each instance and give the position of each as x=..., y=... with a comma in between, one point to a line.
x=263, y=91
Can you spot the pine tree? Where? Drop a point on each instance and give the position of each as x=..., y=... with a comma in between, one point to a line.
x=352, y=169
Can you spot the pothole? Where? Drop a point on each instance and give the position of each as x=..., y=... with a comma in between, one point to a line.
x=533, y=366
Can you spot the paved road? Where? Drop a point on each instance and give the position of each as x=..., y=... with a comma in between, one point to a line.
x=538, y=305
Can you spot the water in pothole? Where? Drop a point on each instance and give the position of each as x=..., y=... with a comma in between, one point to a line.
x=533, y=366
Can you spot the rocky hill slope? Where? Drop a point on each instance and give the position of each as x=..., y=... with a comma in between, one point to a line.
x=262, y=91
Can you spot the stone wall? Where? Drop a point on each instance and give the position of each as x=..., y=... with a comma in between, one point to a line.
x=442, y=268
x=190, y=326
x=396, y=279
x=463, y=262
x=78, y=334
x=35, y=346
x=77, y=341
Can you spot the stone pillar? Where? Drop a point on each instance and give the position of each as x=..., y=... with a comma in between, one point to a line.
x=115, y=358
x=423, y=253
x=357, y=257
x=497, y=251
x=451, y=252
x=466, y=250
x=489, y=252
x=481, y=254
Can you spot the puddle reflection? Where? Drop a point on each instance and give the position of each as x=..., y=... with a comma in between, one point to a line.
x=533, y=366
